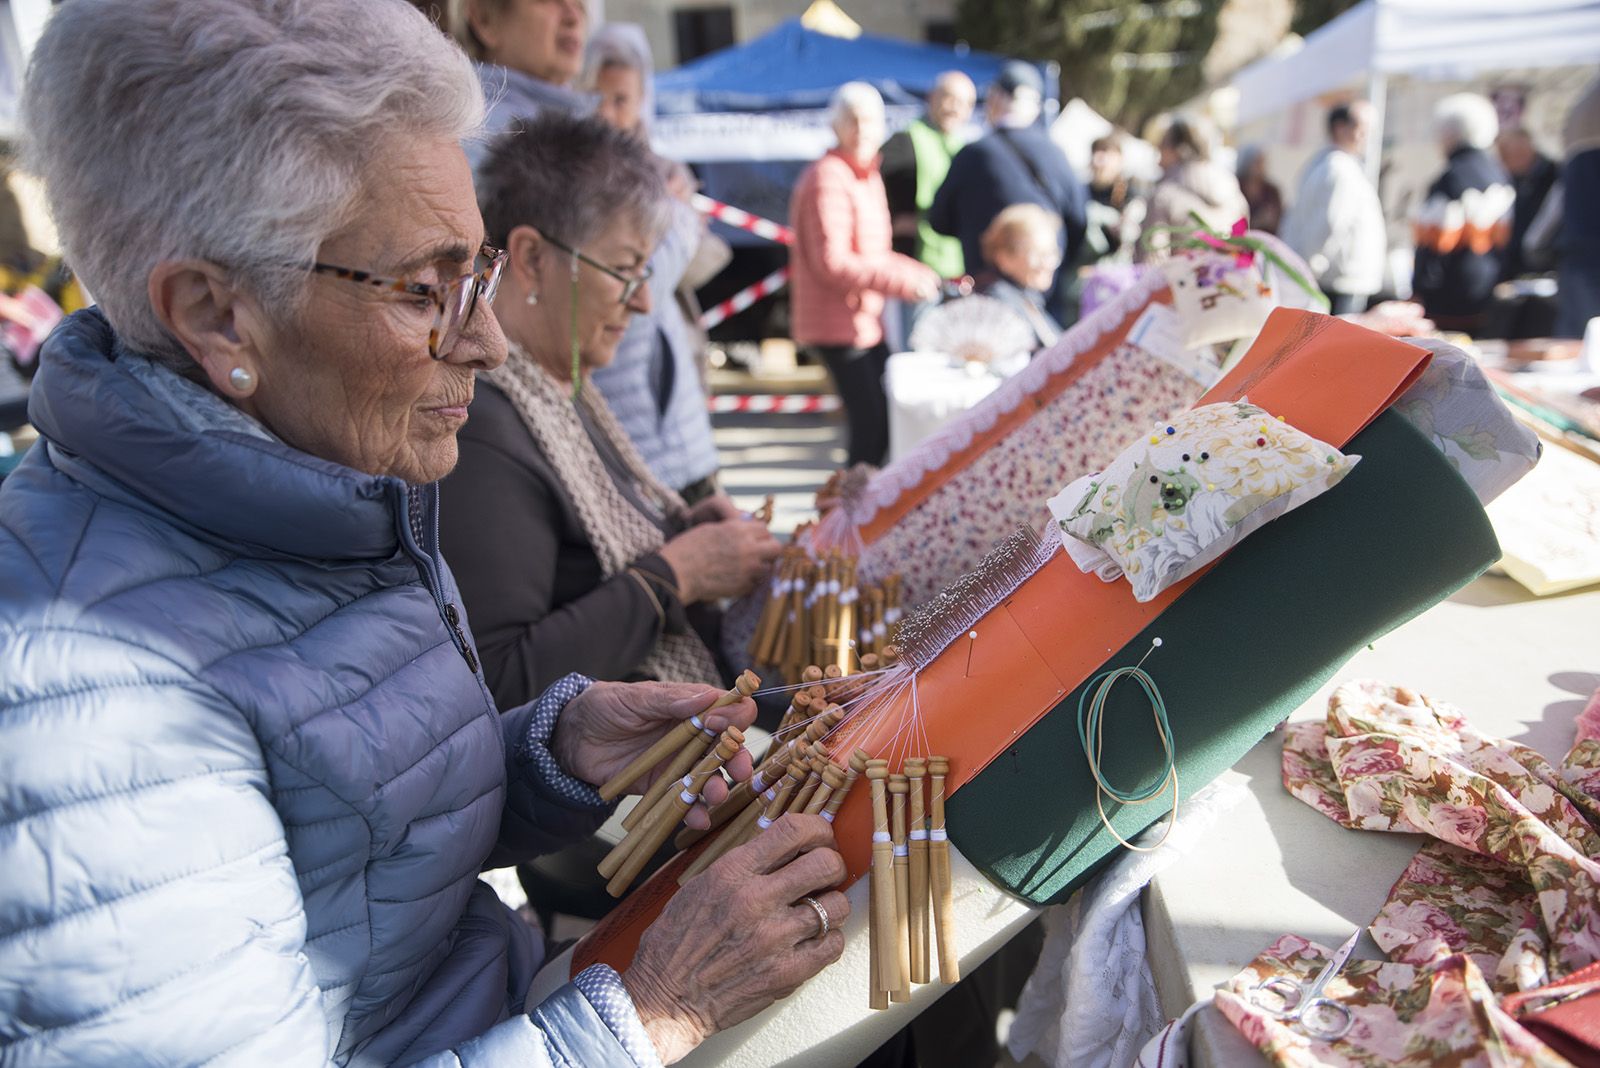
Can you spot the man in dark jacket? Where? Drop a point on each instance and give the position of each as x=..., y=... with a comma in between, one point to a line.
x=1533, y=175
x=1015, y=163
x=1464, y=224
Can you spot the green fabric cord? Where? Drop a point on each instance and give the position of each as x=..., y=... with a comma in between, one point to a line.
x=572, y=329
x=1202, y=238
x=1247, y=645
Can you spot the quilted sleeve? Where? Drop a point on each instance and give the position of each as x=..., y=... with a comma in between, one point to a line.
x=149, y=911
x=546, y=808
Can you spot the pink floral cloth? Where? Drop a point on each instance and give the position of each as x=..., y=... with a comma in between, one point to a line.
x=1445, y=1014
x=1505, y=897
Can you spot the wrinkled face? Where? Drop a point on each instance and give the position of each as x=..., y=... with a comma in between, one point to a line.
x=350, y=379
x=950, y=104
x=542, y=38
x=621, y=92
x=1031, y=260
x=602, y=317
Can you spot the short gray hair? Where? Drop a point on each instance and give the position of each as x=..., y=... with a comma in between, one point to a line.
x=1467, y=119
x=851, y=99
x=234, y=131
x=569, y=178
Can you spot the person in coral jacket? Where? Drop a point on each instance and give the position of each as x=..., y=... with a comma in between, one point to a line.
x=844, y=266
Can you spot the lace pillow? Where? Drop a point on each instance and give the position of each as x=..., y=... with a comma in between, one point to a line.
x=1182, y=496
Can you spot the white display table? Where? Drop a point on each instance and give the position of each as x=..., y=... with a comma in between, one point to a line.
x=927, y=389
x=1518, y=667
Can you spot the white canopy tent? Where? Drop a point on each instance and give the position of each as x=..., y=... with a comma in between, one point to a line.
x=1432, y=40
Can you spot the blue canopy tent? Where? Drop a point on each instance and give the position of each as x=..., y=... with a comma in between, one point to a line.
x=750, y=117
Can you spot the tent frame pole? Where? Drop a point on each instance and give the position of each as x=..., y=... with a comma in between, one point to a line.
x=1378, y=97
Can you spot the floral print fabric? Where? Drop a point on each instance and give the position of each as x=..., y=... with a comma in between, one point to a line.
x=1218, y=298
x=1505, y=897
x=1443, y=1015
x=1181, y=496
x=1080, y=429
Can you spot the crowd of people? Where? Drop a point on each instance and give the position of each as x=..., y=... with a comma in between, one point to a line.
x=985, y=210
x=377, y=521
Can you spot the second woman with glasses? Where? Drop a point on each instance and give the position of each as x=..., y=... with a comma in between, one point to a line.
x=570, y=555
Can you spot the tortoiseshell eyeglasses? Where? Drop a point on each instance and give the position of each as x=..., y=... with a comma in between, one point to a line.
x=453, y=301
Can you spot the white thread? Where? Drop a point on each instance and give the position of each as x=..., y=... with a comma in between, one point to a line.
x=902, y=851
x=771, y=793
x=849, y=596
x=881, y=836
x=879, y=629
x=827, y=815
x=688, y=780
x=866, y=634
x=688, y=798
x=763, y=823
x=893, y=615
x=699, y=724
x=938, y=835
x=919, y=836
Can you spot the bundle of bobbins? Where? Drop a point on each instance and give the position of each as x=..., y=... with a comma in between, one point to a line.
x=817, y=612
x=910, y=871
x=696, y=754
x=797, y=772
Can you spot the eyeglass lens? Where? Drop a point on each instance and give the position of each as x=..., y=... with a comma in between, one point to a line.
x=460, y=300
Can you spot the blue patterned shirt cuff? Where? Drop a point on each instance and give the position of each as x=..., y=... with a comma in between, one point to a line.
x=603, y=988
x=536, y=745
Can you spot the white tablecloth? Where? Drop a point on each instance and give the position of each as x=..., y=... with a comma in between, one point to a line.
x=926, y=390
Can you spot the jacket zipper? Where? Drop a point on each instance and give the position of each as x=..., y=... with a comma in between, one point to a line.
x=430, y=577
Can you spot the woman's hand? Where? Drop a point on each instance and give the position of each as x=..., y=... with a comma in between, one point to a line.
x=720, y=559
x=603, y=729
x=714, y=509
x=738, y=937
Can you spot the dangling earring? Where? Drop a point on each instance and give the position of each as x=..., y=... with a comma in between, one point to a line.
x=242, y=380
x=533, y=298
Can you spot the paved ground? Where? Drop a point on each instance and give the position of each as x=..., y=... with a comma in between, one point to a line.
x=788, y=456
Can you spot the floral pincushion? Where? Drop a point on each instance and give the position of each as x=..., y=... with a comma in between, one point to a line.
x=1181, y=496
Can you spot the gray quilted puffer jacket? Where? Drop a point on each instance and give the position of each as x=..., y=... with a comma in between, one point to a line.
x=248, y=771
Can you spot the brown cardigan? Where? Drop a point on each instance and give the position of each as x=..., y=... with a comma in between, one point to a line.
x=535, y=595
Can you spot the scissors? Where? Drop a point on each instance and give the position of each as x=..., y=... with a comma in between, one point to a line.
x=1299, y=1003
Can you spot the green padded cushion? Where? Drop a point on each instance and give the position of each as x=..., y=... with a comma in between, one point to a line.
x=1251, y=642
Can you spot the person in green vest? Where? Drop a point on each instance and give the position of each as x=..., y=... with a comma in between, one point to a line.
x=914, y=164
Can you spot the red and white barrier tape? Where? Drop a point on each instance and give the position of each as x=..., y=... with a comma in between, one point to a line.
x=744, y=298
x=743, y=220
x=774, y=403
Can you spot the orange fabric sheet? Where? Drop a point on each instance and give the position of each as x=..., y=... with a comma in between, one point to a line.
x=1325, y=376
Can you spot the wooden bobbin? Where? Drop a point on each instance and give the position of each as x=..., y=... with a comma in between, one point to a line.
x=686, y=758
x=902, y=889
x=655, y=832
x=916, y=771
x=832, y=779
x=744, y=827
x=944, y=913
x=858, y=766
x=676, y=739
x=883, y=910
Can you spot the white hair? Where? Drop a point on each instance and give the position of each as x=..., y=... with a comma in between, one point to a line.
x=852, y=99
x=234, y=131
x=1466, y=119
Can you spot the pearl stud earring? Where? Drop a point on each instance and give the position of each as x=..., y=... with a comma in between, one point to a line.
x=533, y=298
x=242, y=380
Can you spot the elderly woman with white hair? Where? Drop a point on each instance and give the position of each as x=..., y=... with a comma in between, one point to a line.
x=251, y=769
x=1464, y=224
x=844, y=265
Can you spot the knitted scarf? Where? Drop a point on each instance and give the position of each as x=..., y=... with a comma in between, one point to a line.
x=617, y=530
